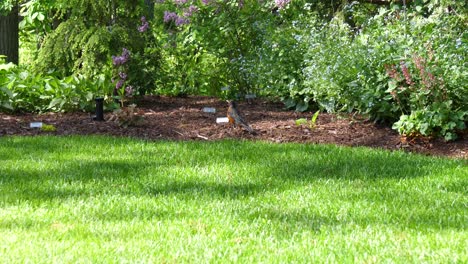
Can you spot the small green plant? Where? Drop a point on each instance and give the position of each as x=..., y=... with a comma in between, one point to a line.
x=48, y=128
x=312, y=123
x=301, y=121
x=313, y=120
x=127, y=116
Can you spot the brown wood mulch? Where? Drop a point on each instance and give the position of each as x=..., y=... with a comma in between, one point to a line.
x=171, y=118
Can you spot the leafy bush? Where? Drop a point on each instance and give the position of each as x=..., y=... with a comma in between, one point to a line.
x=75, y=48
x=5, y=94
x=278, y=68
x=88, y=34
x=22, y=90
x=393, y=69
x=186, y=67
x=218, y=44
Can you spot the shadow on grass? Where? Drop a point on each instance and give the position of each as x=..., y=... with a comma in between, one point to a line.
x=81, y=179
x=203, y=189
x=277, y=168
x=280, y=164
x=290, y=221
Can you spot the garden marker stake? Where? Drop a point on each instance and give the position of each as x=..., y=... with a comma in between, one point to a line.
x=99, y=109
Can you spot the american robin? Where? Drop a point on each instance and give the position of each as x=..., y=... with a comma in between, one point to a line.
x=235, y=118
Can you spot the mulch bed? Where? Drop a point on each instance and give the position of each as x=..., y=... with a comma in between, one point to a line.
x=171, y=118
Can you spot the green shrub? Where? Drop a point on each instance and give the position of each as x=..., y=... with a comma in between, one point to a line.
x=5, y=94
x=393, y=69
x=22, y=90
x=73, y=47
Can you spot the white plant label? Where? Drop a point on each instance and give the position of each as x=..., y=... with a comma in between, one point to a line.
x=35, y=125
x=221, y=120
x=209, y=109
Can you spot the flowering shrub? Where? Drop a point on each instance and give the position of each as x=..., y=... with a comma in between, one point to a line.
x=214, y=44
x=120, y=77
x=135, y=72
x=427, y=105
x=393, y=70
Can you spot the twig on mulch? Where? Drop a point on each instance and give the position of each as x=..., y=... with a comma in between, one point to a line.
x=178, y=132
x=203, y=137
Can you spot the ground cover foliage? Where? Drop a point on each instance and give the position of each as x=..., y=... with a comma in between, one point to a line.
x=400, y=63
x=95, y=199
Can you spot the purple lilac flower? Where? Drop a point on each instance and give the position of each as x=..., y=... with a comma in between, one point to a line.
x=122, y=59
x=117, y=60
x=189, y=11
x=125, y=54
x=119, y=84
x=144, y=25
x=123, y=75
x=205, y=2
x=129, y=90
x=180, y=2
x=169, y=16
x=181, y=21
x=178, y=20
x=282, y=3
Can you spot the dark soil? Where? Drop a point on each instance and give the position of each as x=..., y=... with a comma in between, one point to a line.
x=183, y=119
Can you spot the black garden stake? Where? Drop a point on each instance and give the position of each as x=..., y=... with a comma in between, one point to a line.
x=99, y=109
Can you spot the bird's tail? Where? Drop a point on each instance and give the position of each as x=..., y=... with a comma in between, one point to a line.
x=248, y=128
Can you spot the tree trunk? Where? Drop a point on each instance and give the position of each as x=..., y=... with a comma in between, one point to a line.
x=9, y=36
x=150, y=6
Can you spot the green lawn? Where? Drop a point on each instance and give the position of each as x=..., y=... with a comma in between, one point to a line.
x=108, y=200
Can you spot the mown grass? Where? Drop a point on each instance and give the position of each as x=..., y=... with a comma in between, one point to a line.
x=109, y=200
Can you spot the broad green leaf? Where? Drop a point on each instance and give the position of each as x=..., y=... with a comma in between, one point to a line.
x=55, y=102
x=40, y=17
x=6, y=91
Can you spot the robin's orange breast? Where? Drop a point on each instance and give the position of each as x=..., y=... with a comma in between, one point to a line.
x=231, y=120
x=230, y=117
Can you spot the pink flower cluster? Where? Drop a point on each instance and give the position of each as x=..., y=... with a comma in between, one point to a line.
x=406, y=73
x=428, y=79
x=392, y=72
x=282, y=3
